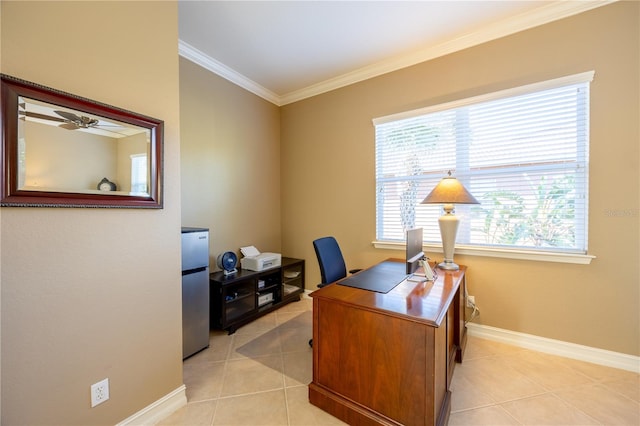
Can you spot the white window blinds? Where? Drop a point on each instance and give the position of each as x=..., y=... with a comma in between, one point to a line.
x=523, y=153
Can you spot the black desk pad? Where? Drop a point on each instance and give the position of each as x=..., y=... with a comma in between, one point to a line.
x=381, y=278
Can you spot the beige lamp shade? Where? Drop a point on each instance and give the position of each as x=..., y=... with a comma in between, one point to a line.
x=450, y=191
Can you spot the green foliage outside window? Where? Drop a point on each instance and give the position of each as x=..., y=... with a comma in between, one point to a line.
x=546, y=222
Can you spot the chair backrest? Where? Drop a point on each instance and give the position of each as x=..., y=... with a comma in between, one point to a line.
x=332, y=266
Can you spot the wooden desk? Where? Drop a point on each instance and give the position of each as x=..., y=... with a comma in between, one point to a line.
x=388, y=358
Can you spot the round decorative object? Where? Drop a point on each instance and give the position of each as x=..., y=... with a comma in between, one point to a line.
x=106, y=185
x=227, y=261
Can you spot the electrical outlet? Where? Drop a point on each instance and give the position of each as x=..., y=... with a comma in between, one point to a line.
x=471, y=302
x=99, y=392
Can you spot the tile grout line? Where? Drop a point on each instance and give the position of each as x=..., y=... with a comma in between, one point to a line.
x=576, y=408
x=224, y=374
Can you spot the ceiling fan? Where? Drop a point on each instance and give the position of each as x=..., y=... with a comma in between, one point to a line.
x=70, y=121
x=73, y=121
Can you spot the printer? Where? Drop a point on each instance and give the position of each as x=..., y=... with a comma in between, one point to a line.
x=253, y=260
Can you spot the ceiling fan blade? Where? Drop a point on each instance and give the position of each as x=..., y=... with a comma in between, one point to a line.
x=69, y=126
x=41, y=116
x=68, y=115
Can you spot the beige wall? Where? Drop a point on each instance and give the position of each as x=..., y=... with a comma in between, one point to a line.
x=328, y=175
x=230, y=147
x=57, y=158
x=93, y=293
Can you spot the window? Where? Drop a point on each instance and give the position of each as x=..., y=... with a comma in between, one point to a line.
x=139, y=173
x=523, y=153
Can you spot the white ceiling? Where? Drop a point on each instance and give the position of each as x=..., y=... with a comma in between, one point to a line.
x=285, y=51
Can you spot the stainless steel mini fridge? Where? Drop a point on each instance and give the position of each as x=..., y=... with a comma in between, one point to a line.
x=195, y=290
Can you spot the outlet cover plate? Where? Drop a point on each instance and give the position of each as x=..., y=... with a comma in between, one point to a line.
x=99, y=392
x=471, y=302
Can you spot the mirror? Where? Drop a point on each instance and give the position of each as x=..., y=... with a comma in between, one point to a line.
x=62, y=150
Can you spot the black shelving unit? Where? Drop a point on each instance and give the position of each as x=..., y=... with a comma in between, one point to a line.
x=246, y=295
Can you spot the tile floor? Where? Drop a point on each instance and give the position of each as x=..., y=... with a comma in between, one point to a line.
x=259, y=376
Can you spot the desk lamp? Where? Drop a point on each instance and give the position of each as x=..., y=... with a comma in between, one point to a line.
x=449, y=192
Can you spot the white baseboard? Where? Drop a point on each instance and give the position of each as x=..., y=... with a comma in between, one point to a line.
x=556, y=347
x=159, y=410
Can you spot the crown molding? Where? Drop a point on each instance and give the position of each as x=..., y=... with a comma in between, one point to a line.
x=196, y=56
x=539, y=16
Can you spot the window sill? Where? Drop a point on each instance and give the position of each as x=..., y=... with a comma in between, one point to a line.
x=539, y=256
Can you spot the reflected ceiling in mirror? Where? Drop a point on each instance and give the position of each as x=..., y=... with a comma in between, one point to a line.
x=63, y=150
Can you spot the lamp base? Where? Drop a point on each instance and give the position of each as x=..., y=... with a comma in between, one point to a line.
x=448, y=265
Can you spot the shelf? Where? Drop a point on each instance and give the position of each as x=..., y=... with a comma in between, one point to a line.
x=290, y=275
x=239, y=297
x=267, y=287
x=245, y=289
x=266, y=306
x=287, y=280
x=289, y=289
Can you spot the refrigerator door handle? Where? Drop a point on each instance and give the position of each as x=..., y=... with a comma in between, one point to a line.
x=194, y=271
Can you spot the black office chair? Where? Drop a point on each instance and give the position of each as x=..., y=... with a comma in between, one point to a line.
x=332, y=266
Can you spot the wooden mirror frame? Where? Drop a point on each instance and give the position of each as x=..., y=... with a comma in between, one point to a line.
x=11, y=196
